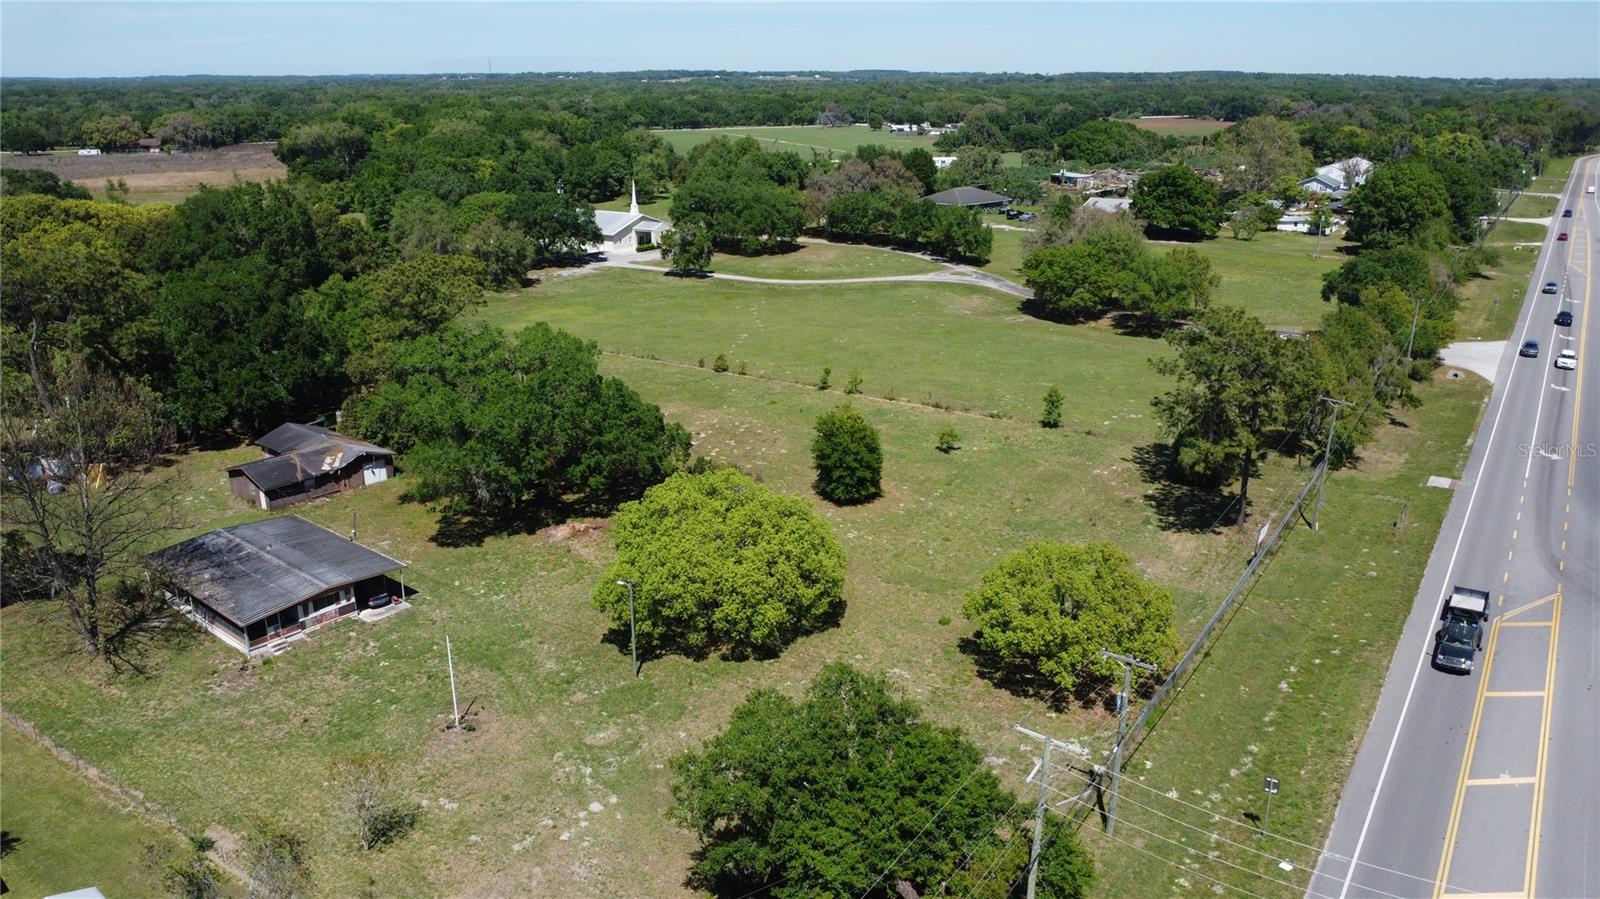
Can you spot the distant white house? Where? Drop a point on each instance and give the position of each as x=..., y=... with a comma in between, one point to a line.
x=1301, y=224
x=627, y=232
x=943, y=162
x=1344, y=175
x=89, y=151
x=1072, y=179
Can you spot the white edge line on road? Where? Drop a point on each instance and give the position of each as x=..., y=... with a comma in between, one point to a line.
x=1483, y=463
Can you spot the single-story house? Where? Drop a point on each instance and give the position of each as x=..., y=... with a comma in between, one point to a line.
x=944, y=162
x=89, y=151
x=627, y=232
x=152, y=144
x=970, y=197
x=1301, y=224
x=303, y=462
x=254, y=585
x=1072, y=179
x=1344, y=175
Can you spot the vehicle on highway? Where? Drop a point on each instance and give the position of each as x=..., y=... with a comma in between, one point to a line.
x=1566, y=213
x=1567, y=360
x=1590, y=190
x=1530, y=348
x=1461, y=635
x=1564, y=318
x=1549, y=287
x=1561, y=236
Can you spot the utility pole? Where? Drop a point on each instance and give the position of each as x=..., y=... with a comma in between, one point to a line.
x=1327, y=456
x=633, y=627
x=1128, y=664
x=1272, y=790
x=1416, y=313
x=1050, y=743
x=450, y=661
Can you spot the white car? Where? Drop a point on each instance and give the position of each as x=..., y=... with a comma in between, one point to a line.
x=1567, y=359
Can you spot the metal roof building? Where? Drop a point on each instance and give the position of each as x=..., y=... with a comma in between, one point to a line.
x=968, y=196
x=255, y=583
x=304, y=462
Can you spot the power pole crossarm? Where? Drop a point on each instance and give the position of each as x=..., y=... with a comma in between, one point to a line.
x=1128, y=664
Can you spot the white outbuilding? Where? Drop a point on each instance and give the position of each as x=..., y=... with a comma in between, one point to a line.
x=627, y=232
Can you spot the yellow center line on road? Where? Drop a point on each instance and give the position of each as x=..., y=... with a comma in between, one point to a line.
x=1502, y=694
x=1524, y=624
x=1498, y=782
x=1532, y=868
x=1466, y=763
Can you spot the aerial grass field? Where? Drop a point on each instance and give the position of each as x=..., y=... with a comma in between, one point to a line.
x=1527, y=206
x=1512, y=233
x=1287, y=690
x=1555, y=175
x=562, y=789
x=1274, y=276
x=802, y=139
x=823, y=260
x=63, y=834
x=159, y=177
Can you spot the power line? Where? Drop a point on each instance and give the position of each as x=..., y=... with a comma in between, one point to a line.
x=1253, y=829
x=1161, y=858
x=1224, y=861
x=1219, y=837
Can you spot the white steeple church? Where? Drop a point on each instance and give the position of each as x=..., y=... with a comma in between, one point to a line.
x=627, y=232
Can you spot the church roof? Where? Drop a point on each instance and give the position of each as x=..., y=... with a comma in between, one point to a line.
x=613, y=223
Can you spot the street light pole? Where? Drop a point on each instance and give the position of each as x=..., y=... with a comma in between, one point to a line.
x=1128, y=664
x=633, y=627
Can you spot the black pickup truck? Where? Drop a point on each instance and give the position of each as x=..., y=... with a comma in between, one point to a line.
x=1460, y=635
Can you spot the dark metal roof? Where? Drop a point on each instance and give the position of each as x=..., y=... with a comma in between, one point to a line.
x=250, y=571
x=292, y=437
x=966, y=196
x=292, y=468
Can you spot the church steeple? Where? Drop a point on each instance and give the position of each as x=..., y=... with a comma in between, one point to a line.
x=633, y=198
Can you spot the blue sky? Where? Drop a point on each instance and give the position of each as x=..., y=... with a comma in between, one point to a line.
x=1461, y=39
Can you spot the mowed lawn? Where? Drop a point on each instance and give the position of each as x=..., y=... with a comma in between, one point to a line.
x=63, y=834
x=1276, y=276
x=808, y=260
x=563, y=788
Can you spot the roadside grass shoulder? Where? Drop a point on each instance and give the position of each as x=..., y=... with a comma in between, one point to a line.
x=63, y=834
x=1287, y=689
x=1509, y=233
x=1554, y=177
x=1531, y=207
x=1489, y=303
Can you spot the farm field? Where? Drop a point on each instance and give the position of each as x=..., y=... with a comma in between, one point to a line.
x=822, y=260
x=800, y=138
x=63, y=834
x=1184, y=126
x=159, y=177
x=562, y=789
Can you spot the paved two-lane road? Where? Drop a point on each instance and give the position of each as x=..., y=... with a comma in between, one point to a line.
x=1490, y=784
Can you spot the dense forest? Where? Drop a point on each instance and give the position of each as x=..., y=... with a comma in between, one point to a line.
x=1023, y=111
